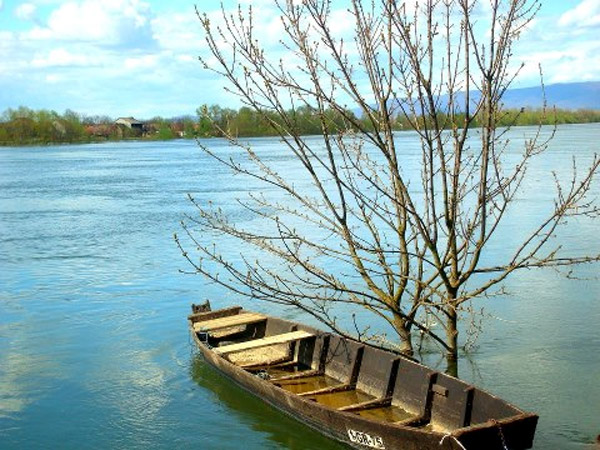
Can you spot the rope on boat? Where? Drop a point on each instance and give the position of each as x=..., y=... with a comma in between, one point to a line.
x=455, y=440
x=501, y=434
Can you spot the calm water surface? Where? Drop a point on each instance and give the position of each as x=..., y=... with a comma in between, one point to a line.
x=94, y=348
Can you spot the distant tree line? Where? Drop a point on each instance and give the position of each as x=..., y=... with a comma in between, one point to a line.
x=246, y=122
x=25, y=126
x=508, y=118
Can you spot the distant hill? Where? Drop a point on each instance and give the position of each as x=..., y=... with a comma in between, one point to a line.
x=563, y=96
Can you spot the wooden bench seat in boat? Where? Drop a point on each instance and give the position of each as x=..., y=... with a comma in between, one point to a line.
x=228, y=322
x=263, y=342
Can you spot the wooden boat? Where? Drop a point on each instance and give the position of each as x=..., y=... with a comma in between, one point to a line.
x=363, y=396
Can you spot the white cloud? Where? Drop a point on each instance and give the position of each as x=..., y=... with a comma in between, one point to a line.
x=342, y=23
x=186, y=58
x=26, y=11
x=142, y=62
x=53, y=78
x=124, y=23
x=566, y=46
x=569, y=63
x=178, y=32
x=62, y=58
x=6, y=38
x=586, y=14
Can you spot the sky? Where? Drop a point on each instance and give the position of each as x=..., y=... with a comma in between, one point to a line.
x=140, y=58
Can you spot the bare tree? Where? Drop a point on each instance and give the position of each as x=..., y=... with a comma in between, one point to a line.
x=361, y=234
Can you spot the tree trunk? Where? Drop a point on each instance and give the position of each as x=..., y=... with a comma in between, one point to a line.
x=403, y=329
x=452, y=341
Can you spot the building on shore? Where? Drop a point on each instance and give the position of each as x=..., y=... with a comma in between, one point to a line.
x=130, y=127
x=130, y=123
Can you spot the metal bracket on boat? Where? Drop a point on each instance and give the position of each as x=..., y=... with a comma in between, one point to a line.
x=263, y=375
x=204, y=338
x=439, y=390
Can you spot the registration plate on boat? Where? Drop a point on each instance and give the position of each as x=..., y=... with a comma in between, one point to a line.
x=360, y=437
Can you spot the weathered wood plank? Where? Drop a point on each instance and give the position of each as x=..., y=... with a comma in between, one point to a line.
x=229, y=321
x=209, y=315
x=283, y=362
x=296, y=376
x=369, y=404
x=328, y=390
x=264, y=342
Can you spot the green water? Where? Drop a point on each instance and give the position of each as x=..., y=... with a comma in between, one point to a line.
x=94, y=348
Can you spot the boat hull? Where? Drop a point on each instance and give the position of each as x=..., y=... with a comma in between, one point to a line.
x=513, y=432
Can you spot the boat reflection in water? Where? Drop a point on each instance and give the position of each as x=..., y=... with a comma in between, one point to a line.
x=261, y=417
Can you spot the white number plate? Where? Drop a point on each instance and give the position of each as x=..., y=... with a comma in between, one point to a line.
x=362, y=438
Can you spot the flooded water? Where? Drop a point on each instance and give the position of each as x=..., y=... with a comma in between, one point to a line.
x=308, y=384
x=387, y=414
x=94, y=347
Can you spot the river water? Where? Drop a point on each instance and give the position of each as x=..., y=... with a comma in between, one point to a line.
x=94, y=347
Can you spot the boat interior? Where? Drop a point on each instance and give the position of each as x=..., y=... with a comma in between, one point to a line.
x=344, y=374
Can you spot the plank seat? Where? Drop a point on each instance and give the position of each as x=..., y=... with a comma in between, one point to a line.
x=297, y=376
x=228, y=322
x=376, y=403
x=264, y=342
x=328, y=390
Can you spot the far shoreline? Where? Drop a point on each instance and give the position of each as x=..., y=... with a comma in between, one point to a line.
x=82, y=142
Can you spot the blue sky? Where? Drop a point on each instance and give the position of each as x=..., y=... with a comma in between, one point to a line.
x=133, y=57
